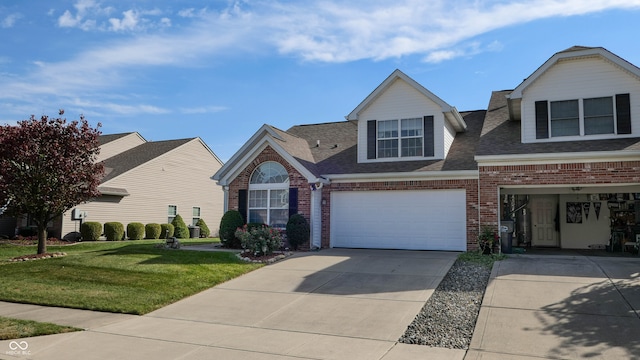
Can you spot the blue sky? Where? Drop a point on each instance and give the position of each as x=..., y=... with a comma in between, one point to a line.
x=221, y=69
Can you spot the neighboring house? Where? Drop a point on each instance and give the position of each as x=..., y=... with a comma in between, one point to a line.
x=151, y=182
x=408, y=171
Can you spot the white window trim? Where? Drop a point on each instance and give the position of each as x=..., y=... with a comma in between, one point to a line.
x=271, y=186
x=399, y=138
x=582, y=134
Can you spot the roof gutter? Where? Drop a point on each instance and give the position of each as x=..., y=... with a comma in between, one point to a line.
x=404, y=176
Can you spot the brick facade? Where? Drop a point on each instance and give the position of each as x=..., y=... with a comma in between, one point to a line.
x=470, y=186
x=241, y=182
x=594, y=173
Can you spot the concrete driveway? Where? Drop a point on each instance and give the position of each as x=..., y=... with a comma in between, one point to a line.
x=560, y=307
x=333, y=304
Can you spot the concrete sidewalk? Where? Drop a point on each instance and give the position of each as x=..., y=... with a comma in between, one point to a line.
x=560, y=307
x=333, y=304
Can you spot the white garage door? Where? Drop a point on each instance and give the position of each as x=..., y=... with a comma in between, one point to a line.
x=413, y=220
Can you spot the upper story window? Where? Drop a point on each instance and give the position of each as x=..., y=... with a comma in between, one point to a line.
x=269, y=195
x=400, y=138
x=583, y=117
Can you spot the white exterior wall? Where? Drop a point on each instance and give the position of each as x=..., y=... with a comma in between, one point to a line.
x=120, y=145
x=579, y=79
x=449, y=136
x=400, y=100
x=591, y=231
x=181, y=177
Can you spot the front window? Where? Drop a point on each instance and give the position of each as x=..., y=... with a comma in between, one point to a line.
x=598, y=116
x=407, y=133
x=195, y=216
x=269, y=195
x=565, y=118
x=580, y=117
x=171, y=213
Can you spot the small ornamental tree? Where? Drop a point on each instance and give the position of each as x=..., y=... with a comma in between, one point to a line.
x=298, y=230
x=181, y=231
x=204, y=229
x=48, y=166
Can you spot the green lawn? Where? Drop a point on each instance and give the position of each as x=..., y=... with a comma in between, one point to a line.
x=16, y=329
x=131, y=277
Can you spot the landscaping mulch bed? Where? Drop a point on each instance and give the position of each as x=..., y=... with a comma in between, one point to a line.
x=38, y=256
x=31, y=242
x=265, y=259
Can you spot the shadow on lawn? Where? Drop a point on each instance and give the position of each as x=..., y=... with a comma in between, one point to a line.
x=157, y=255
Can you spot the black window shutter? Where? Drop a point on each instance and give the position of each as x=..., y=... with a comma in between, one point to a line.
x=623, y=113
x=293, y=201
x=542, y=120
x=242, y=203
x=429, y=136
x=371, y=139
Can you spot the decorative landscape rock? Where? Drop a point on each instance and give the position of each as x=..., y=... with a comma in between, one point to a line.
x=38, y=256
x=449, y=317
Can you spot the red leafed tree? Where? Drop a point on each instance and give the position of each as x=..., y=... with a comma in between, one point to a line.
x=48, y=166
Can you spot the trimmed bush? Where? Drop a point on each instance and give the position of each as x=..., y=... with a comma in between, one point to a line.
x=298, y=230
x=181, y=231
x=164, y=228
x=135, y=231
x=204, y=229
x=152, y=231
x=262, y=240
x=230, y=222
x=91, y=230
x=114, y=231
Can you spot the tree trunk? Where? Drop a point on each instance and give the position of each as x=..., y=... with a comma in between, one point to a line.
x=42, y=238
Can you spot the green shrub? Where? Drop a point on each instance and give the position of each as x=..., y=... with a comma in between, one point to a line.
x=204, y=229
x=152, y=231
x=298, y=231
x=230, y=222
x=114, y=231
x=135, y=231
x=91, y=230
x=181, y=231
x=262, y=240
x=166, y=230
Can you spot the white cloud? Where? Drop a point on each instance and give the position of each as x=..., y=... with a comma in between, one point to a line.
x=128, y=21
x=10, y=20
x=203, y=110
x=328, y=31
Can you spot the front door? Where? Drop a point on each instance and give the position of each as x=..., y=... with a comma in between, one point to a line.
x=543, y=218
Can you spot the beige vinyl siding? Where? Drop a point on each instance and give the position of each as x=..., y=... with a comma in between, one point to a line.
x=579, y=79
x=120, y=145
x=181, y=177
x=400, y=101
x=449, y=136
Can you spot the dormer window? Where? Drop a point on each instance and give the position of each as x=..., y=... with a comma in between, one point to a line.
x=583, y=117
x=400, y=138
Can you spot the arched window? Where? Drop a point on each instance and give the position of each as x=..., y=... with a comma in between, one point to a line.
x=269, y=195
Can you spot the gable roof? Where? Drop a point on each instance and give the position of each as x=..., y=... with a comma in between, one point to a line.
x=574, y=52
x=104, y=139
x=502, y=138
x=451, y=113
x=292, y=148
x=132, y=158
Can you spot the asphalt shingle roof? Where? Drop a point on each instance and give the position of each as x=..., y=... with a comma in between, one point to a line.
x=337, y=149
x=125, y=161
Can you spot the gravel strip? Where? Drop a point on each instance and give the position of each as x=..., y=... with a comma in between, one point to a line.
x=449, y=317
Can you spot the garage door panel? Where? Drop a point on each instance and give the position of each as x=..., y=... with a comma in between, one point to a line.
x=416, y=220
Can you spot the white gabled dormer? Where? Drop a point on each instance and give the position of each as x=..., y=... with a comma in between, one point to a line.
x=581, y=93
x=402, y=121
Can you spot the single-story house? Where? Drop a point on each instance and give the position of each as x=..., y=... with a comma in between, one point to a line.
x=559, y=156
x=149, y=182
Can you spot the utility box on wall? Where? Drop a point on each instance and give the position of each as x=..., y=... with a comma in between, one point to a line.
x=77, y=214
